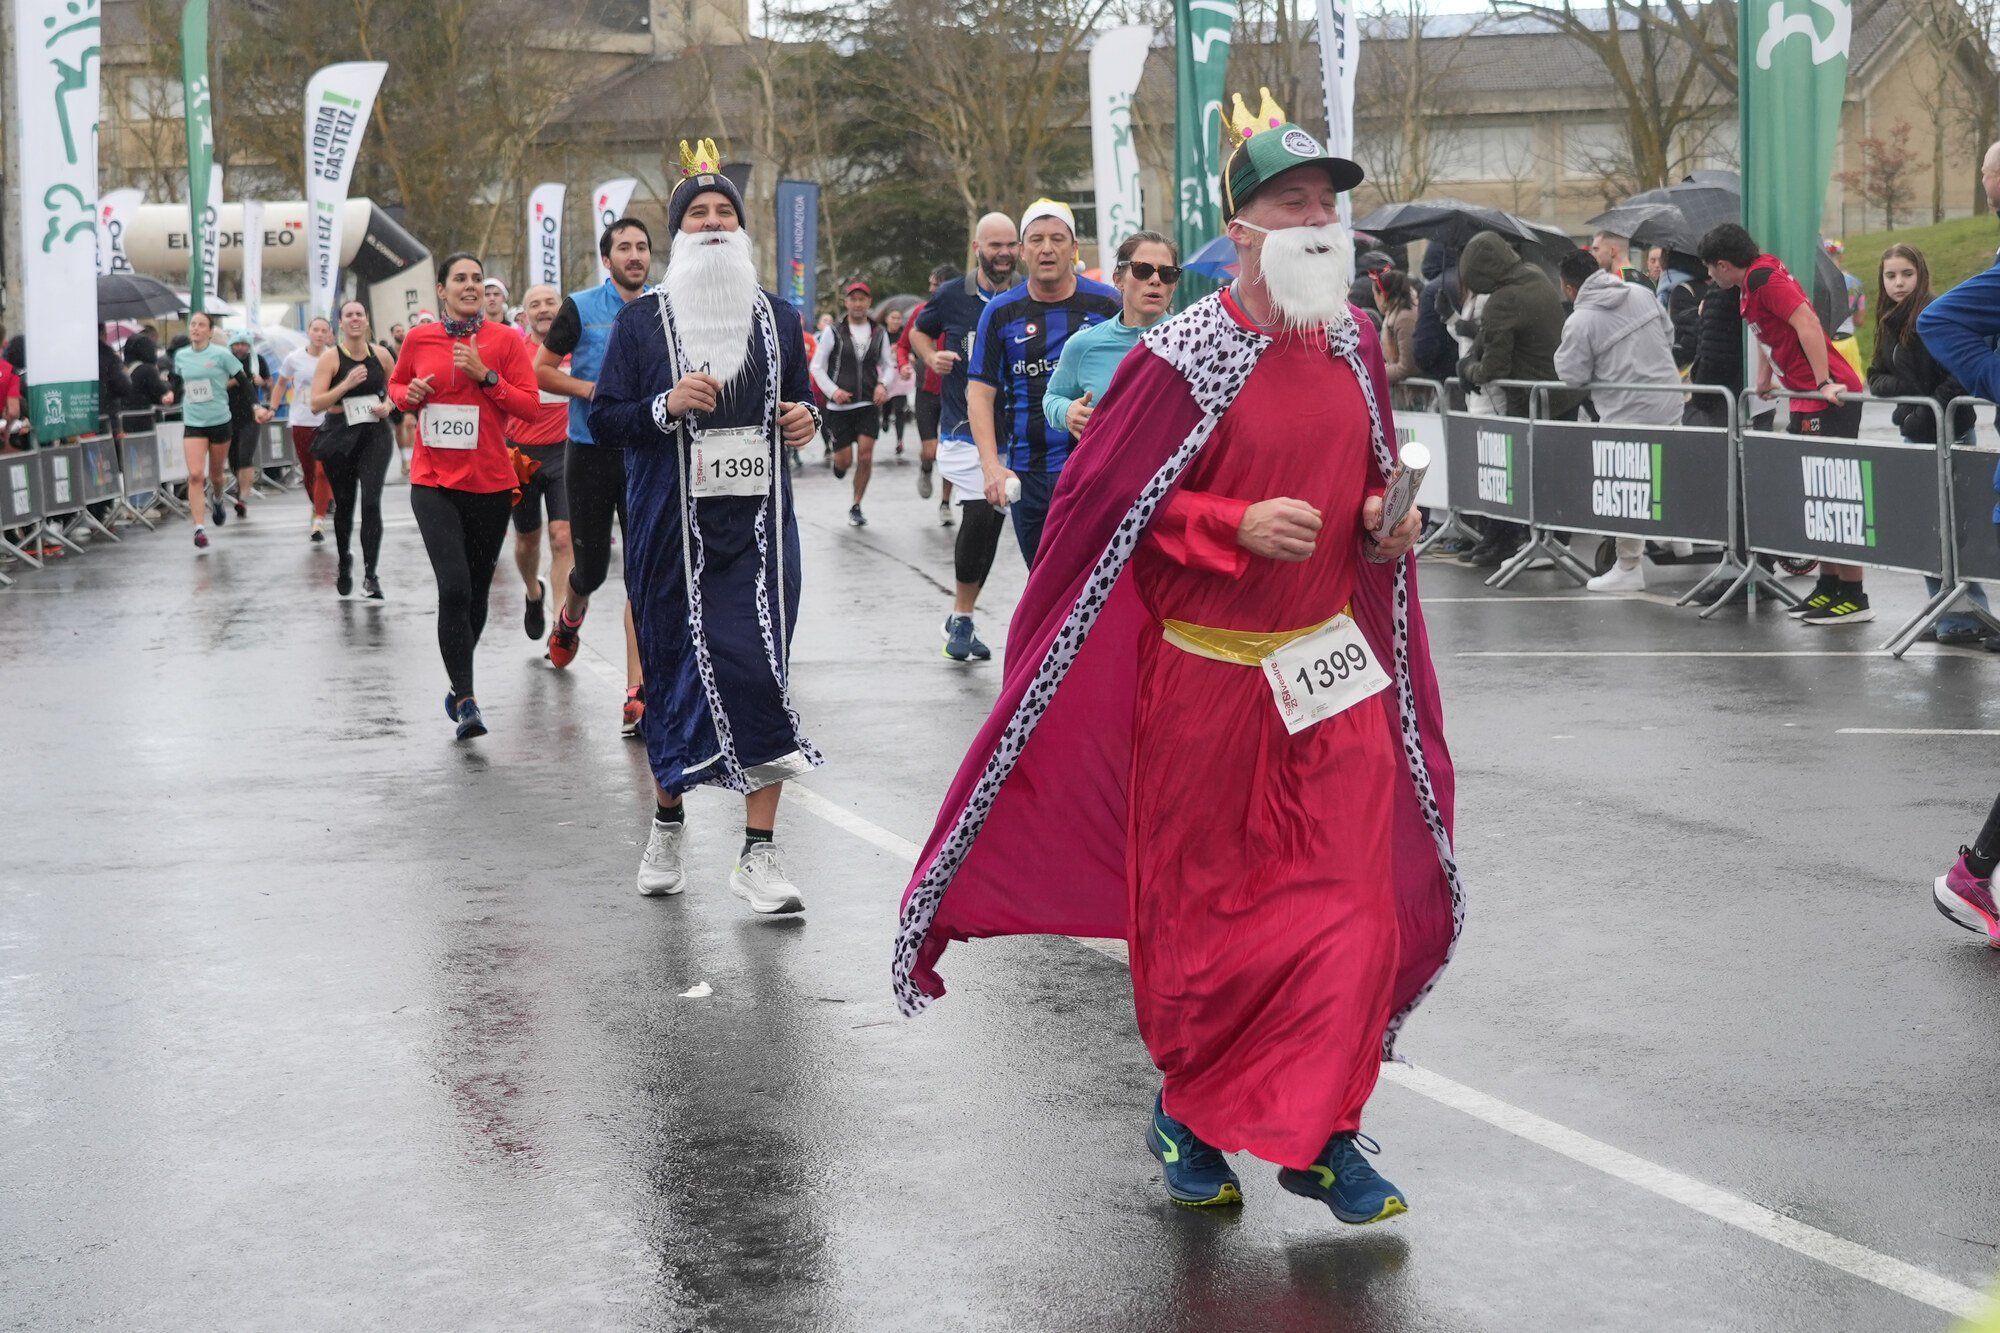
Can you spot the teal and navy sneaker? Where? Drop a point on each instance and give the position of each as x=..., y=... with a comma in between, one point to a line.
x=1343, y=1180
x=1196, y=1174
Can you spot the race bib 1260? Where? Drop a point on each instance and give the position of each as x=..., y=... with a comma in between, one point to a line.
x=451, y=425
x=1323, y=674
x=730, y=462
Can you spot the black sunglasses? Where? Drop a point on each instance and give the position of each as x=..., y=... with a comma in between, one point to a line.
x=1169, y=273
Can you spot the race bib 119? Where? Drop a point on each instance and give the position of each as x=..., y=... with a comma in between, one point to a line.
x=360, y=410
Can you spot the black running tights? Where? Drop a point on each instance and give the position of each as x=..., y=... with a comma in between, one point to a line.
x=595, y=476
x=359, y=475
x=979, y=529
x=463, y=532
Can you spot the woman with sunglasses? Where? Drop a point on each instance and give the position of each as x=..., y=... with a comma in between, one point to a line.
x=1148, y=268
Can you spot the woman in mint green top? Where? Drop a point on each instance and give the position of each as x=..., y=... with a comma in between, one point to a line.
x=203, y=370
x=1148, y=267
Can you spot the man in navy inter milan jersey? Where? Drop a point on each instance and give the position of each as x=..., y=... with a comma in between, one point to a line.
x=1021, y=337
x=942, y=337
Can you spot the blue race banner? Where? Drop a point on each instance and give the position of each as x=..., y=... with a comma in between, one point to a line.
x=798, y=244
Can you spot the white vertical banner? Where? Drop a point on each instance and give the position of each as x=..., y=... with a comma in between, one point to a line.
x=545, y=219
x=211, y=239
x=339, y=100
x=1339, y=53
x=115, y=209
x=608, y=202
x=253, y=266
x=56, y=110
x=1116, y=63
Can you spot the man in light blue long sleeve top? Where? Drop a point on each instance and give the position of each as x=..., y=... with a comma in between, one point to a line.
x=1145, y=276
x=1960, y=327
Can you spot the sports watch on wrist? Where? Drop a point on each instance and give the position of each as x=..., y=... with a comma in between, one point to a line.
x=492, y=378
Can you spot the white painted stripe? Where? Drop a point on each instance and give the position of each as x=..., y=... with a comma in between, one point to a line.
x=1917, y=731
x=1834, y=1251
x=1896, y=1275
x=1703, y=653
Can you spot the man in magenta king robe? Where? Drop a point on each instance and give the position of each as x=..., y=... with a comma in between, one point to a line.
x=1219, y=735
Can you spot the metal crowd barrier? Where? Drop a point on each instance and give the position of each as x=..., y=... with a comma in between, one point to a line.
x=1851, y=501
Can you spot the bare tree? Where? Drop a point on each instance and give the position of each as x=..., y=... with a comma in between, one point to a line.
x=1661, y=58
x=1883, y=178
x=1407, y=103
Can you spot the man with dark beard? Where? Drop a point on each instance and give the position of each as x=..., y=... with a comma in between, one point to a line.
x=1218, y=737
x=703, y=381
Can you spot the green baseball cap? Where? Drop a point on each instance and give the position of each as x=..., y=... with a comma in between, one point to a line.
x=1268, y=154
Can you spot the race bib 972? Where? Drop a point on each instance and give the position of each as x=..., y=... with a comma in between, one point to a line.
x=200, y=392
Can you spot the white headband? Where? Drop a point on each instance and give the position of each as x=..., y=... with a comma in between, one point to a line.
x=1048, y=208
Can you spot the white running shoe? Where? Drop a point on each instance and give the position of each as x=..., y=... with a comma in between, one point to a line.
x=760, y=880
x=662, y=870
x=1619, y=579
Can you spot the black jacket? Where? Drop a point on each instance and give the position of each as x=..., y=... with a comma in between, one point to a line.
x=1684, y=309
x=1718, y=345
x=1904, y=368
x=1437, y=350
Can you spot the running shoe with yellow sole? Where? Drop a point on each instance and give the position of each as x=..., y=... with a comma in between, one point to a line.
x=1345, y=1181
x=1197, y=1176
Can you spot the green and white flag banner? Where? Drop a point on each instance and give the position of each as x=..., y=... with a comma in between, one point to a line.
x=545, y=219
x=339, y=100
x=200, y=145
x=1792, y=69
x=1339, y=53
x=1116, y=62
x=115, y=210
x=56, y=57
x=1201, y=69
x=253, y=266
x=209, y=252
x=609, y=202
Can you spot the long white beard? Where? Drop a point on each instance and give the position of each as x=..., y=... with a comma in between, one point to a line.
x=1307, y=271
x=711, y=283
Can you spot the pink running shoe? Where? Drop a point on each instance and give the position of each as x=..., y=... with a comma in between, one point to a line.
x=1968, y=901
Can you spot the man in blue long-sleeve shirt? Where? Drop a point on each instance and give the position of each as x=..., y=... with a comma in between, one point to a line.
x=1960, y=328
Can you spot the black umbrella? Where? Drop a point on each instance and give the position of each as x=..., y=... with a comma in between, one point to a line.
x=1453, y=222
x=1678, y=216
x=131, y=296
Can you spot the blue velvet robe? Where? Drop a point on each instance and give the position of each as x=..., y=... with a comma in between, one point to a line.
x=714, y=602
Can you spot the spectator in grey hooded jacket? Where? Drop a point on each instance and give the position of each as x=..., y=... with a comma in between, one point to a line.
x=1618, y=334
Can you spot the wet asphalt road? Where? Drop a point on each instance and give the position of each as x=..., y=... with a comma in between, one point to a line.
x=311, y=1018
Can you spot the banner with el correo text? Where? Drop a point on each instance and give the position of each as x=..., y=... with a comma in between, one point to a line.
x=798, y=243
x=200, y=125
x=339, y=100
x=114, y=217
x=1339, y=52
x=608, y=203
x=1792, y=72
x=208, y=254
x=56, y=57
x=253, y=265
x=1201, y=68
x=545, y=220
x=1116, y=63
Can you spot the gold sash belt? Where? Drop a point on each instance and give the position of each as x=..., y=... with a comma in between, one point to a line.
x=1243, y=647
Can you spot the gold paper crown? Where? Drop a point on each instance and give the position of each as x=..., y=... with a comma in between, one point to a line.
x=1242, y=125
x=704, y=159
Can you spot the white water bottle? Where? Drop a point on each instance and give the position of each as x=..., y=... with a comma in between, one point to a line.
x=1402, y=489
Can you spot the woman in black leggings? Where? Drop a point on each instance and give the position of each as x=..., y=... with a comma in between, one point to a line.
x=463, y=377
x=351, y=388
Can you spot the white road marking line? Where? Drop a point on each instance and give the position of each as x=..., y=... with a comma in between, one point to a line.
x=1916, y=731
x=1836, y=1252
x=1719, y=652
x=1906, y=1279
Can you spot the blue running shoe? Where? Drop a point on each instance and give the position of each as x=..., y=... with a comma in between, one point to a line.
x=1343, y=1180
x=960, y=643
x=466, y=714
x=1196, y=1174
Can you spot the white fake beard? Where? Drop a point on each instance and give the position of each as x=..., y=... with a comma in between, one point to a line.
x=1307, y=270
x=711, y=283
